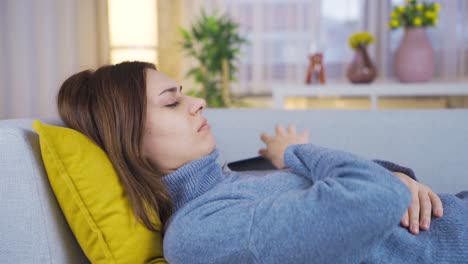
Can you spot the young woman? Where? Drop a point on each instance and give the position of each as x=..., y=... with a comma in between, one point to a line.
x=321, y=206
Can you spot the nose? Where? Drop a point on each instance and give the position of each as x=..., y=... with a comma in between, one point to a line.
x=197, y=106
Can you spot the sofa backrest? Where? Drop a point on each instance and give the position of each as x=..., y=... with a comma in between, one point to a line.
x=432, y=142
x=32, y=226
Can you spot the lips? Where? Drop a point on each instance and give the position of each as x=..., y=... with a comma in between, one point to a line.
x=203, y=125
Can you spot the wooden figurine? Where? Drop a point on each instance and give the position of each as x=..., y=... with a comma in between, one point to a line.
x=315, y=71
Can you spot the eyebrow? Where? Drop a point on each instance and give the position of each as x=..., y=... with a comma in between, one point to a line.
x=172, y=90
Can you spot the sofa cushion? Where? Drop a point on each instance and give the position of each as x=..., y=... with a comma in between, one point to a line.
x=93, y=200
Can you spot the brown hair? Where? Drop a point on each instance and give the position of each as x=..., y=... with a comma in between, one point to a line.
x=109, y=106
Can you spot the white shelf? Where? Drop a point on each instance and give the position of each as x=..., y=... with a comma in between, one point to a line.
x=373, y=91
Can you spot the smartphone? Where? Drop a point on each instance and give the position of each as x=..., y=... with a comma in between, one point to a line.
x=250, y=164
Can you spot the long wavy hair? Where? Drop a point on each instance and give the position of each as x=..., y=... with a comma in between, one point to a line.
x=109, y=106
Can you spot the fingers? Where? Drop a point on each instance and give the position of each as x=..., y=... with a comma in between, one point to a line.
x=279, y=129
x=414, y=214
x=292, y=129
x=405, y=219
x=424, y=202
x=265, y=137
x=426, y=206
x=262, y=152
x=290, y=134
x=437, y=207
x=305, y=134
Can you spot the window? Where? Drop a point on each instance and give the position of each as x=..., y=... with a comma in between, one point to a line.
x=281, y=34
x=133, y=30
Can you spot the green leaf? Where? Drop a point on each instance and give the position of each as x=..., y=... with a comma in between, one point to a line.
x=210, y=40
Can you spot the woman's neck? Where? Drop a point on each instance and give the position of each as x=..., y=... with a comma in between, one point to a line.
x=193, y=179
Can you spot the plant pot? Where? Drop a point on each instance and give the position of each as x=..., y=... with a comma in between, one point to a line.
x=361, y=69
x=414, y=58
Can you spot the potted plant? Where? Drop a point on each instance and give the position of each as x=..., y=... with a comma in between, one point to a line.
x=414, y=58
x=214, y=42
x=361, y=69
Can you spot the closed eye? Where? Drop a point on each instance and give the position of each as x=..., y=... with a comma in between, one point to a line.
x=173, y=105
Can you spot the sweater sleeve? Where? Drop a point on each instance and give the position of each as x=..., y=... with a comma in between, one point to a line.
x=301, y=167
x=351, y=206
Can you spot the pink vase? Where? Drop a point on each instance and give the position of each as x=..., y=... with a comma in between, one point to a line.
x=414, y=58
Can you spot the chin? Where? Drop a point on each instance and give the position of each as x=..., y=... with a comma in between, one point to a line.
x=202, y=148
x=209, y=147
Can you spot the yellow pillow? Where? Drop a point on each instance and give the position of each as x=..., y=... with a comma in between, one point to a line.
x=93, y=200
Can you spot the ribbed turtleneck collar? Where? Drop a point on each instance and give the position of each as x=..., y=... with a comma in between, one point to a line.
x=193, y=179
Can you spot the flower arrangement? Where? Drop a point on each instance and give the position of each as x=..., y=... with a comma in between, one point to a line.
x=361, y=69
x=414, y=14
x=360, y=39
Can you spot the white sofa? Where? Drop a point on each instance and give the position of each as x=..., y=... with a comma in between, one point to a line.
x=432, y=142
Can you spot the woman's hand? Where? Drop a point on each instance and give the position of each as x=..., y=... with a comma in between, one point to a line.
x=277, y=144
x=424, y=203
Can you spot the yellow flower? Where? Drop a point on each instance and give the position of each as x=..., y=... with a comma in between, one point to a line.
x=417, y=21
x=394, y=23
x=430, y=14
x=364, y=38
x=414, y=13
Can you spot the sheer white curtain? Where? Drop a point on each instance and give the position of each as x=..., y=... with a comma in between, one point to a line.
x=41, y=43
x=280, y=34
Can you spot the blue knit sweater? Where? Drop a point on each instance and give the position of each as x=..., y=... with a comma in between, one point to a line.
x=328, y=207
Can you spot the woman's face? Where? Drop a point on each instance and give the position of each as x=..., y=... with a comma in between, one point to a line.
x=175, y=131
